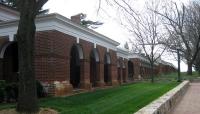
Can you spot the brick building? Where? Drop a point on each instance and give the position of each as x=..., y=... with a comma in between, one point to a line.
x=69, y=56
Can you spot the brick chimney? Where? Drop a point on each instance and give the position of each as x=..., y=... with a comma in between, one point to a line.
x=77, y=18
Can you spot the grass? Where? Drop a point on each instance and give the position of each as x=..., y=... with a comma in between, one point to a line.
x=125, y=99
x=174, y=76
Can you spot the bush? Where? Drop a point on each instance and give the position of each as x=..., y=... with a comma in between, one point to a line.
x=11, y=92
x=2, y=90
x=40, y=90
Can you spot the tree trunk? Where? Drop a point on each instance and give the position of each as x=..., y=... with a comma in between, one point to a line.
x=189, y=71
x=27, y=101
x=152, y=74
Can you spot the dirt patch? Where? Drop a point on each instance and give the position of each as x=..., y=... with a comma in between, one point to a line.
x=42, y=111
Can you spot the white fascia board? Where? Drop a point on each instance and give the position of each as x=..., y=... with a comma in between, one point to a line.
x=134, y=55
x=9, y=10
x=71, y=30
x=122, y=53
x=8, y=29
x=7, y=17
x=166, y=63
x=7, y=14
x=89, y=31
x=53, y=22
x=137, y=56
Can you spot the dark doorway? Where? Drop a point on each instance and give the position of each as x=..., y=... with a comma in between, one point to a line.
x=9, y=62
x=94, y=61
x=107, y=61
x=75, y=63
x=130, y=70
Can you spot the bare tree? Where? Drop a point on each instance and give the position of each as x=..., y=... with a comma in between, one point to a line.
x=144, y=26
x=148, y=33
x=183, y=25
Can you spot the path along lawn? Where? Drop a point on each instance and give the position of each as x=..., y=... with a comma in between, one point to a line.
x=124, y=99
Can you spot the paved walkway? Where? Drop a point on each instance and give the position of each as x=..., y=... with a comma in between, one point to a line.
x=190, y=103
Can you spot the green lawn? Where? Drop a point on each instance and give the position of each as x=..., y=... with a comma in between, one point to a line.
x=124, y=99
x=174, y=76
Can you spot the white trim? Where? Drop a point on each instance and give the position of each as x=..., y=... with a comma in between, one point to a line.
x=122, y=53
x=64, y=25
x=7, y=14
x=95, y=45
x=135, y=55
x=141, y=57
x=77, y=40
x=107, y=50
x=11, y=37
x=9, y=10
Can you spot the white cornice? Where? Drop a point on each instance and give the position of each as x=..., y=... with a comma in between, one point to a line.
x=140, y=57
x=66, y=20
x=7, y=13
x=166, y=63
x=122, y=53
x=64, y=25
x=135, y=55
x=9, y=9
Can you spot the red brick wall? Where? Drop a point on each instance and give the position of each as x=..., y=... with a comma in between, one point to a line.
x=52, y=51
x=85, y=66
x=102, y=51
x=113, y=56
x=52, y=58
x=87, y=48
x=136, y=66
x=126, y=70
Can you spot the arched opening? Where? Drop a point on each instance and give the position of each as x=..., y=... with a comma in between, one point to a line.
x=130, y=70
x=107, y=62
x=9, y=62
x=75, y=63
x=94, y=62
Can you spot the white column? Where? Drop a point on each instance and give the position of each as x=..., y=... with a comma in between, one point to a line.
x=77, y=40
x=107, y=49
x=11, y=37
x=95, y=45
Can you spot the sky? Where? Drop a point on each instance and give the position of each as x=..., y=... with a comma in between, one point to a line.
x=68, y=8
x=111, y=27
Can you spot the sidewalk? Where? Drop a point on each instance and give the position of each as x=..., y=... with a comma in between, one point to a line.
x=190, y=103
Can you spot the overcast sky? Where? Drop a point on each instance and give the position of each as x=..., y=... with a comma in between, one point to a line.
x=111, y=28
x=68, y=8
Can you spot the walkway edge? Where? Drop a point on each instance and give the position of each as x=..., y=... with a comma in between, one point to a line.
x=165, y=103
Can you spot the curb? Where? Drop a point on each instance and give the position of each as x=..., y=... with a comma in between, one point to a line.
x=165, y=103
